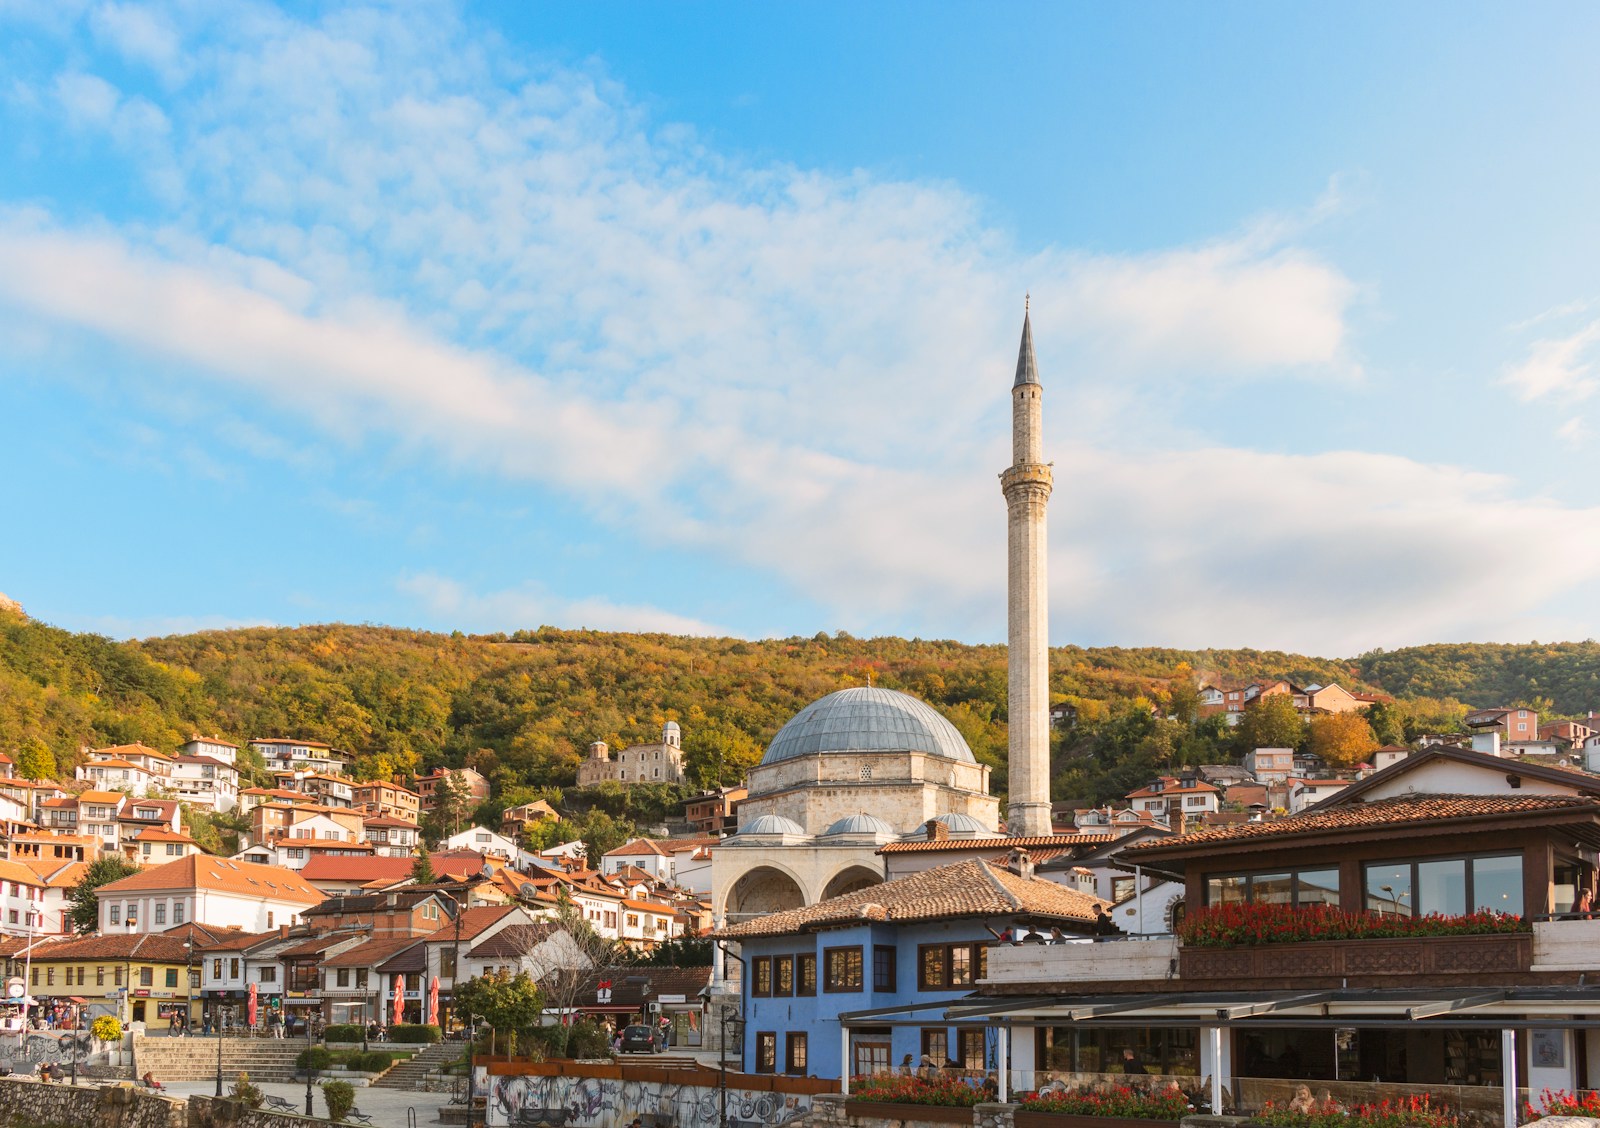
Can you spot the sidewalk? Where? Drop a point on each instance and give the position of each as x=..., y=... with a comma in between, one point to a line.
x=385, y=1106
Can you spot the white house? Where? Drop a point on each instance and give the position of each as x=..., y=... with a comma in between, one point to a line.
x=642, y=853
x=212, y=746
x=311, y=754
x=447, y=948
x=1171, y=796
x=220, y=892
x=1305, y=792
x=1270, y=764
x=538, y=949
x=204, y=781
x=22, y=894
x=122, y=775
x=392, y=837
x=484, y=841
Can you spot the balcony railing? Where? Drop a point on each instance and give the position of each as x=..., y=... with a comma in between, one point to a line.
x=1082, y=961
x=1398, y=958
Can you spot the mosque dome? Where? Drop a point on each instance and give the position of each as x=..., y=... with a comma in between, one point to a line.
x=868, y=719
x=771, y=824
x=960, y=825
x=863, y=824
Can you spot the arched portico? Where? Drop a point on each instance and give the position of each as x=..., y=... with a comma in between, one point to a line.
x=761, y=890
x=850, y=879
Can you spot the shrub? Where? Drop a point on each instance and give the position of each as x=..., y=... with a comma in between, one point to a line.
x=1562, y=1103
x=1230, y=925
x=106, y=1028
x=1399, y=1112
x=1167, y=1104
x=375, y=1061
x=587, y=1039
x=344, y=1032
x=246, y=1093
x=946, y=1092
x=341, y=1098
x=547, y=1041
x=412, y=1032
x=314, y=1058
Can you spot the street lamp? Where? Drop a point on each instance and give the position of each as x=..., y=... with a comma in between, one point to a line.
x=455, y=977
x=127, y=987
x=188, y=982
x=77, y=1040
x=217, y=1011
x=309, y=1110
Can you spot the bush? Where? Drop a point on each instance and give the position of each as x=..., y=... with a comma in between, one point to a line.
x=315, y=1058
x=946, y=1092
x=106, y=1028
x=344, y=1032
x=587, y=1039
x=547, y=1041
x=1168, y=1104
x=1399, y=1112
x=376, y=1061
x=341, y=1098
x=246, y=1093
x=412, y=1032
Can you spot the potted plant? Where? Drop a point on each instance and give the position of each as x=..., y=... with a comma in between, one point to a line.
x=1116, y=1107
x=941, y=1100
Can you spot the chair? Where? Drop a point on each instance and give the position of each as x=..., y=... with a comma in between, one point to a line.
x=357, y=1115
x=277, y=1104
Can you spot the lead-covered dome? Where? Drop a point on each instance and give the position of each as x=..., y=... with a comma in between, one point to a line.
x=771, y=824
x=868, y=719
x=860, y=824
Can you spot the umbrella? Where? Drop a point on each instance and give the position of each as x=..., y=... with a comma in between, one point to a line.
x=250, y=1006
x=399, y=999
x=433, y=1002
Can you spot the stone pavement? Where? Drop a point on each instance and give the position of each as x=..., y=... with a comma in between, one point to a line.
x=387, y=1107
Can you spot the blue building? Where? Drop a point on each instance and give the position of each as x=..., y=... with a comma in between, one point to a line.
x=922, y=938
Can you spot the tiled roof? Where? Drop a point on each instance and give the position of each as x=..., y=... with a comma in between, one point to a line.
x=354, y=867
x=629, y=981
x=1171, y=786
x=201, y=871
x=965, y=889
x=117, y=751
x=161, y=834
x=473, y=922
x=372, y=952
x=106, y=797
x=921, y=846
x=236, y=943
x=217, y=740
x=1383, y=812
x=205, y=760
x=286, y=740
x=316, y=945
x=404, y=898
x=388, y=820
x=166, y=947
x=57, y=873
x=639, y=847
x=514, y=940
x=17, y=872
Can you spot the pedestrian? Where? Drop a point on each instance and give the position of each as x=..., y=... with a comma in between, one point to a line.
x=1130, y=1061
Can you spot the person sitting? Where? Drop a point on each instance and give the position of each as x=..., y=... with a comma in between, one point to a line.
x=1302, y=1101
x=150, y=1082
x=1130, y=1061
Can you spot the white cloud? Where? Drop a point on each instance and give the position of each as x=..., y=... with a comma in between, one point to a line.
x=1560, y=368
x=529, y=607
x=141, y=34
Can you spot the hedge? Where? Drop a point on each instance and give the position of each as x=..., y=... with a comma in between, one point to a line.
x=412, y=1032
x=344, y=1032
x=315, y=1058
x=376, y=1061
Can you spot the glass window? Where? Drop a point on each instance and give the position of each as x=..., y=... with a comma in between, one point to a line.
x=766, y=1052
x=1317, y=887
x=172, y=977
x=1272, y=889
x=1497, y=884
x=960, y=965
x=883, y=969
x=1389, y=889
x=1442, y=887
x=842, y=969
x=931, y=966
x=935, y=1046
x=783, y=975
x=762, y=978
x=147, y=977
x=795, y=1054
x=972, y=1046
x=805, y=975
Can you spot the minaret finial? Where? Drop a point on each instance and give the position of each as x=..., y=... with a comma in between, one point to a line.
x=1026, y=297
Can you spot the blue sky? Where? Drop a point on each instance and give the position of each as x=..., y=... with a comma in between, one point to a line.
x=701, y=317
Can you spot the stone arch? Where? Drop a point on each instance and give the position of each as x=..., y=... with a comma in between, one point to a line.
x=851, y=878
x=762, y=889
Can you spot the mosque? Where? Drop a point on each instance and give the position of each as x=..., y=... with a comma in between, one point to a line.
x=867, y=766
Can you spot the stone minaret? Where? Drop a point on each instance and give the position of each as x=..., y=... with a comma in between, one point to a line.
x=1027, y=488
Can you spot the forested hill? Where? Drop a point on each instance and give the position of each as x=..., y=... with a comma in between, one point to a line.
x=522, y=708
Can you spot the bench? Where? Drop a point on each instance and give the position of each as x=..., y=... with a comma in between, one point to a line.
x=357, y=1115
x=277, y=1104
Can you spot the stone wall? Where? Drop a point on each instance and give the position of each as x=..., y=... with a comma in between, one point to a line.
x=41, y=1105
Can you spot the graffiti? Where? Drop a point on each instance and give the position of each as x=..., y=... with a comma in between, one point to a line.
x=594, y=1102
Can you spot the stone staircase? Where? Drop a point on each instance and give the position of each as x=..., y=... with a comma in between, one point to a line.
x=195, y=1058
x=410, y=1074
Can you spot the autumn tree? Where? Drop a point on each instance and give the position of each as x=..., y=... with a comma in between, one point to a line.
x=1342, y=739
x=84, y=898
x=1271, y=722
x=35, y=760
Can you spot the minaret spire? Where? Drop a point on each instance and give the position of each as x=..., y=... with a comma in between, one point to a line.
x=1027, y=485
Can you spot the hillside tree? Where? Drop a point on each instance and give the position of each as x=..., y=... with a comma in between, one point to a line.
x=84, y=899
x=1342, y=739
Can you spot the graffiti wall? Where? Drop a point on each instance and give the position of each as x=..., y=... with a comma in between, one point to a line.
x=600, y=1102
x=24, y=1052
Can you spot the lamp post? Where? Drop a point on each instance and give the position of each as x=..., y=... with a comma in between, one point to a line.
x=455, y=976
x=188, y=982
x=217, y=1011
x=127, y=987
x=309, y=1110
x=77, y=1039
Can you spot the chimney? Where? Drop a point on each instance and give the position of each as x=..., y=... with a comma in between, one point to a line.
x=935, y=830
x=1021, y=864
x=283, y=931
x=1487, y=742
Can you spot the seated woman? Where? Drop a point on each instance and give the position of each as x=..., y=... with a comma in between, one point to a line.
x=150, y=1082
x=1302, y=1101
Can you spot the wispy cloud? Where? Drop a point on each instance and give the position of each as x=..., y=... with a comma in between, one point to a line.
x=529, y=607
x=1558, y=368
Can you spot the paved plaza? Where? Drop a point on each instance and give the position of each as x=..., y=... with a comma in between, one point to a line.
x=387, y=1107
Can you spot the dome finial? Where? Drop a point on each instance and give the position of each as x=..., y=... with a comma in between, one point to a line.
x=1026, y=298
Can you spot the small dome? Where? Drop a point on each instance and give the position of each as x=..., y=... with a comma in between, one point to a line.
x=771, y=824
x=868, y=719
x=670, y=726
x=860, y=824
x=957, y=823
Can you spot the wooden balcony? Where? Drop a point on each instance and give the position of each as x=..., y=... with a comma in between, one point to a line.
x=1409, y=959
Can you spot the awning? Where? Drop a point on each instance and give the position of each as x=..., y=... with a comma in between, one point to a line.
x=1502, y=1008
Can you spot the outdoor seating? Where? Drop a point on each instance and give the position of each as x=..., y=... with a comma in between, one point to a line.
x=277, y=1104
x=357, y=1115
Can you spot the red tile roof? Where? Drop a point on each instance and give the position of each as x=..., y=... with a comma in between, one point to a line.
x=997, y=843
x=201, y=871
x=351, y=867
x=965, y=889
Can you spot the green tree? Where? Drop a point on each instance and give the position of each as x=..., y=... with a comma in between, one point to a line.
x=452, y=801
x=35, y=760
x=422, y=868
x=1388, y=723
x=1271, y=722
x=84, y=898
x=508, y=1003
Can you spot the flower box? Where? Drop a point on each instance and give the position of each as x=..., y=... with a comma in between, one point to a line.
x=1452, y=956
x=1079, y=1120
x=933, y=1114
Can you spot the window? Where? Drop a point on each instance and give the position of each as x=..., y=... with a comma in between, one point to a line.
x=633, y=920
x=147, y=977
x=783, y=975
x=936, y=1046
x=161, y=912
x=269, y=919
x=177, y=912
x=972, y=1050
x=883, y=968
x=343, y=977
x=761, y=976
x=1289, y=887
x=794, y=1054
x=49, y=977
x=116, y=914
x=944, y=966
x=116, y=976
x=1449, y=886
x=872, y=1052
x=805, y=974
x=447, y=962
x=35, y=977
x=172, y=977
x=268, y=974
x=766, y=1052
x=233, y=969
x=842, y=969
x=361, y=978
x=100, y=976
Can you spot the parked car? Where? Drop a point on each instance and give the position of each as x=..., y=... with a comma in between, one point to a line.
x=641, y=1040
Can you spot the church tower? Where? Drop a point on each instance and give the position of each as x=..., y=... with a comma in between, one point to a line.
x=1027, y=486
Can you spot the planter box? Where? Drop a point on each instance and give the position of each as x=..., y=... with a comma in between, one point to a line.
x=935, y=1114
x=1026, y=1119
x=1407, y=957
